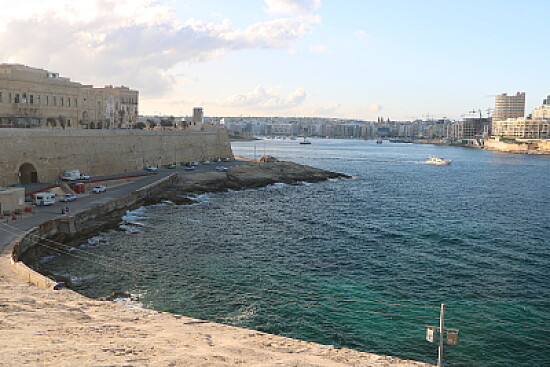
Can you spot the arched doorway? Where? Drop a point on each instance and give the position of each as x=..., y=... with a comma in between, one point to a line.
x=27, y=174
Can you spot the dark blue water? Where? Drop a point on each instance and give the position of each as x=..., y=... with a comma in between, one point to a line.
x=398, y=239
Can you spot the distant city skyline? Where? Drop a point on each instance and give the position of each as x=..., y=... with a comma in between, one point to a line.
x=307, y=58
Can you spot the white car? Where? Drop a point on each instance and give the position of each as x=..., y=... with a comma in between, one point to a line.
x=68, y=197
x=152, y=169
x=99, y=189
x=221, y=168
x=84, y=177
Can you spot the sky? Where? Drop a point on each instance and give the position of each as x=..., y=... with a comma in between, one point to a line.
x=355, y=59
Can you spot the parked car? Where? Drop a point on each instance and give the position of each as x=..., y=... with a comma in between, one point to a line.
x=225, y=159
x=99, y=189
x=152, y=168
x=221, y=168
x=68, y=197
x=171, y=166
x=189, y=168
x=194, y=164
x=205, y=162
x=84, y=177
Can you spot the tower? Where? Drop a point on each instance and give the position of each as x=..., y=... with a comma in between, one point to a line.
x=509, y=106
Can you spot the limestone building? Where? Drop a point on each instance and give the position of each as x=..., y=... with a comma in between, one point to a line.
x=509, y=106
x=535, y=126
x=31, y=97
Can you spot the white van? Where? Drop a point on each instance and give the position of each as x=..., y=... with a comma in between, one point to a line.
x=44, y=198
x=71, y=175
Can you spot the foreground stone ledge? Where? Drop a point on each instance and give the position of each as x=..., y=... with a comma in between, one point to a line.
x=61, y=328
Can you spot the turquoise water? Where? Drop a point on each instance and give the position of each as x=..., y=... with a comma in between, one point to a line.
x=398, y=239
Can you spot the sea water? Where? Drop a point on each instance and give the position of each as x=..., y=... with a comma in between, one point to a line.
x=363, y=263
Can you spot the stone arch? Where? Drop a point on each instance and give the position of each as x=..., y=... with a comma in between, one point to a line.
x=28, y=173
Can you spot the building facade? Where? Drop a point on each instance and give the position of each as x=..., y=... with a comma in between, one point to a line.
x=509, y=106
x=535, y=126
x=31, y=97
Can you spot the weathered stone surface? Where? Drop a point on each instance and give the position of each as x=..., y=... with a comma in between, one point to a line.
x=103, y=152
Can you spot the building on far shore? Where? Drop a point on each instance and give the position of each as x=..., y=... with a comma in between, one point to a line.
x=509, y=106
x=535, y=126
x=31, y=97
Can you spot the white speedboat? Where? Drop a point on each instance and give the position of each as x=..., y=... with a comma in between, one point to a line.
x=438, y=161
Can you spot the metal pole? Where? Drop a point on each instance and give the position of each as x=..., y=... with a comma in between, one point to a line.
x=441, y=336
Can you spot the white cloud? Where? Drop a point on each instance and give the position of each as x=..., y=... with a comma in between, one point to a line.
x=375, y=107
x=292, y=7
x=130, y=42
x=361, y=34
x=318, y=48
x=267, y=99
x=321, y=111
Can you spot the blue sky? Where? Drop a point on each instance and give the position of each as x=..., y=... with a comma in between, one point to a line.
x=350, y=59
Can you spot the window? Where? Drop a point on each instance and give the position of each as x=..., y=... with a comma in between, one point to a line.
x=24, y=98
x=16, y=97
x=47, y=100
x=0, y=97
x=61, y=101
x=31, y=99
x=38, y=99
x=9, y=97
x=75, y=103
x=68, y=102
x=54, y=101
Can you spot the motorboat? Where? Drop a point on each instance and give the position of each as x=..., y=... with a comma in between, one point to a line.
x=438, y=161
x=305, y=141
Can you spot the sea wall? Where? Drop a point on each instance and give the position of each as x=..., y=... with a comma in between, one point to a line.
x=101, y=152
x=521, y=147
x=35, y=241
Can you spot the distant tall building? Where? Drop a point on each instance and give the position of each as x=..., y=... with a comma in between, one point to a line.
x=198, y=116
x=509, y=106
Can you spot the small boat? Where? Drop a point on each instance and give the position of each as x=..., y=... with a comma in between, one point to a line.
x=438, y=161
x=306, y=141
x=379, y=142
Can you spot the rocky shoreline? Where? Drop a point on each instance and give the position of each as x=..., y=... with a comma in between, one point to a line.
x=244, y=176
x=42, y=327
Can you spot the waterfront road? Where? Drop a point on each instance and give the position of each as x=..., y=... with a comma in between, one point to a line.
x=12, y=229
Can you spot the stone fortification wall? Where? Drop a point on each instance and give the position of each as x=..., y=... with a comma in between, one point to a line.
x=527, y=147
x=102, y=152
